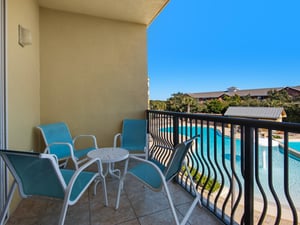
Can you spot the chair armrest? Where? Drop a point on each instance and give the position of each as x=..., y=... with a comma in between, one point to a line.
x=70, y=147
x=148, y=135
x=80, y=170
x=118, y=135
x=166, y=150
x=86, y=136
x=90, y=162
x=165, y=147
x=148, y=162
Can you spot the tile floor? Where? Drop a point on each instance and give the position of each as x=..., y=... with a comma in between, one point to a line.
x=138, y=206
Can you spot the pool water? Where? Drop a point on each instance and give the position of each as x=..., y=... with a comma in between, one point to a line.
x=294, y=145
x=277, y=164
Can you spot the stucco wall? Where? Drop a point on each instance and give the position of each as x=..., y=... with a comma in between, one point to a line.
x=23, y=75
x=86, y=71
x=93, y=72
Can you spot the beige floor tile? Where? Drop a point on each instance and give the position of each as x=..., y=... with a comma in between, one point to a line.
x=199, y=215
x=138, y=206
x=164, y=217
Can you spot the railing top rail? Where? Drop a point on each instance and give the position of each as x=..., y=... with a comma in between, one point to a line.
x=255, y=123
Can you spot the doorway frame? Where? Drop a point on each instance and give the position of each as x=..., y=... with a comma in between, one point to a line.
x=3, y=104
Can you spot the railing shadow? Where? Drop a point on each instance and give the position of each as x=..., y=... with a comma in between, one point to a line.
x=243, y=174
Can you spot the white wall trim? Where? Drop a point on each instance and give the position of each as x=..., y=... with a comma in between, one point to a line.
x=3, y=103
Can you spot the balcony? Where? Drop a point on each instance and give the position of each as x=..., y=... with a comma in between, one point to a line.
x=83, y=67
x=82, y=63
x=138, y=205
x=242, y=177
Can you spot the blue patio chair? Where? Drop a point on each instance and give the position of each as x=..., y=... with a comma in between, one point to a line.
x=156, y=176
x=59, y=141
x=38, y=174
x=133, y=137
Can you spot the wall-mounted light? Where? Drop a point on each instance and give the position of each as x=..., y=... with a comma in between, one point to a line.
x=24, y=36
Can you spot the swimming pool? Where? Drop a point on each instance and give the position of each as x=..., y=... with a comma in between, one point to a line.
x=277, y=161
x=294, y=149
x=294, y=145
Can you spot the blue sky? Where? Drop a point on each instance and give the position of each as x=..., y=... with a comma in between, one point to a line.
x=210, y=45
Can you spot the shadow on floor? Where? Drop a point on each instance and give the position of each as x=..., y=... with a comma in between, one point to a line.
x=138, y=206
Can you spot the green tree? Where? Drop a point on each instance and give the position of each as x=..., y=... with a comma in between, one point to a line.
x=180, y=102
x=278, y=98
x=293, y=112
x=215, y=106
x=235, y=100
x=158, y=105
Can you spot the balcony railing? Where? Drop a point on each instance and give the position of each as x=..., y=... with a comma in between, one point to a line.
x=245, y=170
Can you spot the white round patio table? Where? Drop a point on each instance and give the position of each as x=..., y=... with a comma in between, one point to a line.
x=110, y=155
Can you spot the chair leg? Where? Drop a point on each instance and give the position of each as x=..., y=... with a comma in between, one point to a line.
x=104, y=191
x=119, y=193
x=196, y=200
x=193, y=205
x=63, y=213
x=193, y=184
x=10, y=195
x=188, y=213
x=120, y=189
x=171, y=202
x=190, y=210
x=97, y=181
x=121, y=184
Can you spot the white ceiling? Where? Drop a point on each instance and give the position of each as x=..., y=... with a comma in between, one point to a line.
x=135, y=11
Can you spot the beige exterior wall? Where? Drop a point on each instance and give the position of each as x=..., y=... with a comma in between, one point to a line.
x=86, y=71
x=93, y=72
x=23, y=77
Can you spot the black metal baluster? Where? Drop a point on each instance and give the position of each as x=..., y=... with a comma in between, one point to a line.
x=219, y=172
x=286, y=178
x=249, y=177
x=235, y=178
x=257, y=179
x=270, y=176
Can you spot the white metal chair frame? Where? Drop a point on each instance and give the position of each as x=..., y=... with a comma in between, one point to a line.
x=164, y=186
x=66, y=187
x=64, y=161
x=119, y=137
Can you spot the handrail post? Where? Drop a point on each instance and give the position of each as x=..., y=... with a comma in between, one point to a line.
x=148, y=120
x=249, y=176
x=175, y=130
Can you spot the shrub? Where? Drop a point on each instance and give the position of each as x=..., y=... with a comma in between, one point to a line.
x=206, y=182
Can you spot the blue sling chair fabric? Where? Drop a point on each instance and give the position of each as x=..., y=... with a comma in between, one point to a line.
x=156, y=176
x=59, y=141
x=133, y=137
x=38, y=174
